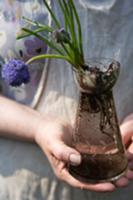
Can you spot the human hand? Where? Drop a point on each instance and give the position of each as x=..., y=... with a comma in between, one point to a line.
x=127, y=135
x=54, y=137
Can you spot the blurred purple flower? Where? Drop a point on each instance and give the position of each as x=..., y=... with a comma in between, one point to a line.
x=35, y=46
x=15, y=72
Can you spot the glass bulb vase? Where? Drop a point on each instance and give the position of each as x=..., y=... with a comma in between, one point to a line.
x=97, y=135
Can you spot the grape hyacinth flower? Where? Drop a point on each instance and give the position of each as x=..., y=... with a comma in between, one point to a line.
x=15, y=72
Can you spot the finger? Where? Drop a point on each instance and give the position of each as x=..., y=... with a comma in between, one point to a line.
x=122, y=182
x=130, y=149
x=130, y=156
x=126, y=131
x=129, y=174
x=130, y=165
x=65, y=153
x=99, y=187
x=63, y=174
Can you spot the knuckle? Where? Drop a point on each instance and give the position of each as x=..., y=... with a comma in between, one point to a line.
x=60, y=155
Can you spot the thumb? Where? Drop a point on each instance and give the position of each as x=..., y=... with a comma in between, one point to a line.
x=65, y=153
x=127, y=131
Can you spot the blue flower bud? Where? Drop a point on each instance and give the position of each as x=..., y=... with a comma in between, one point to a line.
x=61, y=35
x=15, y=72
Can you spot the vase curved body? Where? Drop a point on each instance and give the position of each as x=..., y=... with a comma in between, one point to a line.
x=97, y=137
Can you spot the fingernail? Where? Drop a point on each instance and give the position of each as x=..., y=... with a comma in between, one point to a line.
x=75, y=159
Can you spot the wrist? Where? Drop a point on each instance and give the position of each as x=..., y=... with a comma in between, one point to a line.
x=41, y=128
x=19, y=121
x=34, y=122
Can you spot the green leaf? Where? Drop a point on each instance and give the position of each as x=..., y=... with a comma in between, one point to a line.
x=24, y=34
x=79, y=27
x=52, y=14
x=38, y=24
x=73, y=31
x=68, y=17
x=72, y=50
x=64, y=12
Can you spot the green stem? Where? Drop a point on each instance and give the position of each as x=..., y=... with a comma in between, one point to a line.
x=65, y=48
x=44, y=56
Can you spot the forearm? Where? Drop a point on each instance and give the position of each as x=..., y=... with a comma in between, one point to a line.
x=18, y=121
